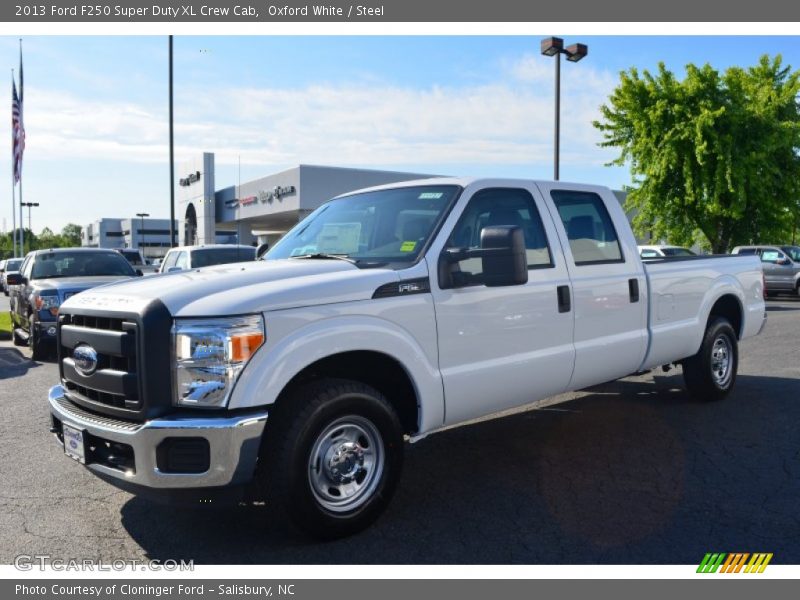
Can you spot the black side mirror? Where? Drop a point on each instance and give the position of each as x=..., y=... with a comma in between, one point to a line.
x=13, y=279
x=261, y=251
x=139, y=273
x=502, y=253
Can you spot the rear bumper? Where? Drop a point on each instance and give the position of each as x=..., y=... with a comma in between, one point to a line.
x=127, y=454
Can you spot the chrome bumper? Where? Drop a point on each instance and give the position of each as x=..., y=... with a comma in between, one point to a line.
x=233, y=445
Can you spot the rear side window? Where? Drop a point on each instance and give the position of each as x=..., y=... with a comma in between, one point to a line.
x=221, y=256
x=591, y=234
x=746, y=251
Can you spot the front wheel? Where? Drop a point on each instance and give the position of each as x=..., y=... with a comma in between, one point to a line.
x=711, y=373
x=332, y=457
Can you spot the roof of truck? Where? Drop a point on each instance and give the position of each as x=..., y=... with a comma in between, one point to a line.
x=466, y=181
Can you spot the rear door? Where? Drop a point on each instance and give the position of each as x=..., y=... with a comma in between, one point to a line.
x=608, y=283
x=501, y=347
x=778, y=269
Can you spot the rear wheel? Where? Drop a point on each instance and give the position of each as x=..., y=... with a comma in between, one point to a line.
x=711, y=373
x=332, y=457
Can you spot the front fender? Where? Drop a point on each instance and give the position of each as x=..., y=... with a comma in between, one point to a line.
x=274, y=365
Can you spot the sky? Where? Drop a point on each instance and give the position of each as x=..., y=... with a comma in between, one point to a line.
x=96, y=109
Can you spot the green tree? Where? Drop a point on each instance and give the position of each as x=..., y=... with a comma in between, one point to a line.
x=48, y=239
x=71, y=235
x=714, y=153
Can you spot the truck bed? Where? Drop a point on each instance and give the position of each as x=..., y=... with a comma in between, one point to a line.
x=681, y=291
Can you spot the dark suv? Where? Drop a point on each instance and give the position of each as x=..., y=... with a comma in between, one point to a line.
x=47, y=278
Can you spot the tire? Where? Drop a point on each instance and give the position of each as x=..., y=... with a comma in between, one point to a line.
x=711, y=373
x=38, y=351
x=325, y=439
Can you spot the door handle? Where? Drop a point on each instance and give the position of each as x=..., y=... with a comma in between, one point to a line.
x=633, y=289
x=564, y=302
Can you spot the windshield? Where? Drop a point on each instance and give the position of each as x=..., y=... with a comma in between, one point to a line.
x=793, y=252
x=374, y=227
x=677, y=252
x=13, y=265
x=221, y=256
x=80, y=264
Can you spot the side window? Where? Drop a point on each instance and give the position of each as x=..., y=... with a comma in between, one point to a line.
x=169, y=260
x=183, y=260
x=26, y=268
x=747, y=251
x=649, y=254
x=501, y=206
x=591, y=234
x=770, y=256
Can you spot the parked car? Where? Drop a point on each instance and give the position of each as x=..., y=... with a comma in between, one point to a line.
x=49, y=277
x=388, y=312
x=137, y=260
x=661, y=251
x=781, y=266
x=9, y=265
x=195, y=257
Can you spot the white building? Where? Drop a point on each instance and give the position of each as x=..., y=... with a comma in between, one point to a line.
x=151, y=236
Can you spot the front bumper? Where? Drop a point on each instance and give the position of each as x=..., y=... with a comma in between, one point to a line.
x=232, y=443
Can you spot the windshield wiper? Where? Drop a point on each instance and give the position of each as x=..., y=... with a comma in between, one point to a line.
x=326, y=256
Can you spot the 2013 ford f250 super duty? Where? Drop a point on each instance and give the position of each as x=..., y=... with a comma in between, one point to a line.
x=386, y=313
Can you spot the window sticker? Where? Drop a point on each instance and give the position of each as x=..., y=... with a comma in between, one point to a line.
x=408, y=246
x=430, y=195
x=339, y=238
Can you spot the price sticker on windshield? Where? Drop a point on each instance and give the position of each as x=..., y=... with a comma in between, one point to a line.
x=430, y=195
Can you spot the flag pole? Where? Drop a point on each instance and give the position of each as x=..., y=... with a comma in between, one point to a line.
x=22, y=133
x=13, y=189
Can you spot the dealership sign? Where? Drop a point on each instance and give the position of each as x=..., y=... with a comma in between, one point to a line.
x=265, y=196
x=189, y=179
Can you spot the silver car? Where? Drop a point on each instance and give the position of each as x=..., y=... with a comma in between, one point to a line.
x=781, y=266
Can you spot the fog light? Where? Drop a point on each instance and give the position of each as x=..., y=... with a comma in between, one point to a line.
x=183, y=455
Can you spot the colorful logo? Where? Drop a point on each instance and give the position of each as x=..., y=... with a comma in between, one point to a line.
x=734, y=562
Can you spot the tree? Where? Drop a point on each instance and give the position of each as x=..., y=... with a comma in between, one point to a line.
x=71, y=235
x=714, y=153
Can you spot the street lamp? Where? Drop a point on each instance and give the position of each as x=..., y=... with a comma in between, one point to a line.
x=30, y=205
x=141, y=233
x=554, y=46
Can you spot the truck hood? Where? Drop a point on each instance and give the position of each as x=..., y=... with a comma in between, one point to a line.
x=73, y=285
x=242, y=288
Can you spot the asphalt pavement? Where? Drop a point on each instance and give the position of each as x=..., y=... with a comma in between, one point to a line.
x=628, y=472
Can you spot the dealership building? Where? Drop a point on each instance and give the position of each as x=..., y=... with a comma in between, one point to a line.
x=151, y=236
x=264, y=209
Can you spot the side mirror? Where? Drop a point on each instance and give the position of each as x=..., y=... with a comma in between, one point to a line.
x=502, y=253
x=505, y=261
x=13, y=279
x=783, y=261
x=139, y=273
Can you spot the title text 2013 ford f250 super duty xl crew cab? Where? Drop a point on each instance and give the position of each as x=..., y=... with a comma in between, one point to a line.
x=387, y=312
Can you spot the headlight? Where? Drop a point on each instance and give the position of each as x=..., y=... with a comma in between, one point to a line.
x=209, y=354
x=49, y=302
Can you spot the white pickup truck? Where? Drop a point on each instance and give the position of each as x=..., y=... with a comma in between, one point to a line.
x=385, y=315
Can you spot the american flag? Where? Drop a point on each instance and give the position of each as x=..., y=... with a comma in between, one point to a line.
x=17, y=125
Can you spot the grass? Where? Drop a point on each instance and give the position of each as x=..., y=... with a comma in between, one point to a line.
x=5, y=325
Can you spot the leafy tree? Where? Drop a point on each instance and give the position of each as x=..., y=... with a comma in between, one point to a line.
x=714, y=153
x=71, y=235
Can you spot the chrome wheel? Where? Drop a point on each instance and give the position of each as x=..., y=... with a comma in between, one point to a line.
x=346, y=463
x=722, y=361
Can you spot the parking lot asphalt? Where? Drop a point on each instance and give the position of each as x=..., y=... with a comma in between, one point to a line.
x=628, y=472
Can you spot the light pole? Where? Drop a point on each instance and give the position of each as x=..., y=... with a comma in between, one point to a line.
x=554, y=46
x=30, y=205
x=141, y=233
x=171, y=156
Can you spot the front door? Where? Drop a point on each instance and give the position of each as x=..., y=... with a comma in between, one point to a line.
x=501, y=347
